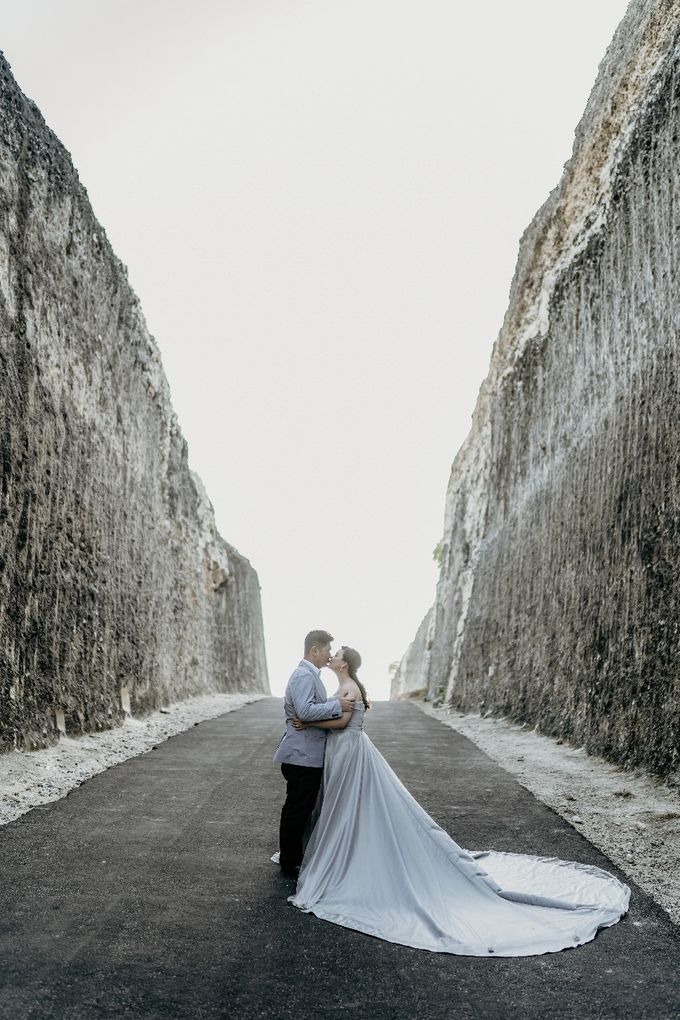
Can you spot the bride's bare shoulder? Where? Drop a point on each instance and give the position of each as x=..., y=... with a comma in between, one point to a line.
x=350, y=689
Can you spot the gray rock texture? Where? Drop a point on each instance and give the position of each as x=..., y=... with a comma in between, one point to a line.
x=558, y=602
x=413, y=664
x=116, y=591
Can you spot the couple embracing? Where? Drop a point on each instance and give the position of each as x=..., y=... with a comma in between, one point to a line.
x=367, y=856
x=309, y=718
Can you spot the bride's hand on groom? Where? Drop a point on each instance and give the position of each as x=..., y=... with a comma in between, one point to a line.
x=298, y=723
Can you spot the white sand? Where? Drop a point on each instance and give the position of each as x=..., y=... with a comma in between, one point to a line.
x=29, y=778
x=631, y=818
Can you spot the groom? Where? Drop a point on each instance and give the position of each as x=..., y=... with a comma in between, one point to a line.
x=301, y=752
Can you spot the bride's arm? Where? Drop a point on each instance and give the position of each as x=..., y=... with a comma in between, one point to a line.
x=328, y=724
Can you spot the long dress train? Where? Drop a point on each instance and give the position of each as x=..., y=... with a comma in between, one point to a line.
x=378, y=863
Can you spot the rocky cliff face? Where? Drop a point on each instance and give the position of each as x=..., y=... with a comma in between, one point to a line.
x=558, y=602
x=413, y=666
x=116, y=592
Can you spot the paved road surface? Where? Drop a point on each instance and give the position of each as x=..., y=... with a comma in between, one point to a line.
x=148, y=892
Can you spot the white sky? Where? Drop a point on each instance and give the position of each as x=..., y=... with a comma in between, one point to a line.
x=320, y=204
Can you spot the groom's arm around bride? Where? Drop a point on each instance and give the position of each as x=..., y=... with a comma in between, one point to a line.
x=305, y=698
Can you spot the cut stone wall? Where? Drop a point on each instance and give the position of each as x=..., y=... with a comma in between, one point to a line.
x=413, y=664
x=116, y=591
x=558, y=602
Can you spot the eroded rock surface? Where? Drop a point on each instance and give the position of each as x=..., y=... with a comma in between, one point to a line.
x=116, y=591
x=558, y=602
x=413, y=663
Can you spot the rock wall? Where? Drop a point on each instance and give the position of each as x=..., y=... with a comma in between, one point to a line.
x=558, y=602
x=116, y=592
x=413, y=664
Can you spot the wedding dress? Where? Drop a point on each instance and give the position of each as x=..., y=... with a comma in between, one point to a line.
x=378, y=863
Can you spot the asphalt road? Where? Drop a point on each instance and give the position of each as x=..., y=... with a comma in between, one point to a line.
x=148, y=892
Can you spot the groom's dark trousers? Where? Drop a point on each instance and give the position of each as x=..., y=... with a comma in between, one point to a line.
x=302, y=788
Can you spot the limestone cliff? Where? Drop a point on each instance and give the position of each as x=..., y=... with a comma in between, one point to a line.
x=413, y=665
x=558, y=602
x=116, y=591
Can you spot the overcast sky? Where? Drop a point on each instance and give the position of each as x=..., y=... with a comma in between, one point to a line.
x=319, y=203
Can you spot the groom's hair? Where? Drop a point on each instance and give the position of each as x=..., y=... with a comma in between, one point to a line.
x=318, y=638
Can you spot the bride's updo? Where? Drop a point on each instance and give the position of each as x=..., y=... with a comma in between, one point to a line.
x=353, y=660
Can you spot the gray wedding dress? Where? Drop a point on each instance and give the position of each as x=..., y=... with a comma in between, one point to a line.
x=378, y=863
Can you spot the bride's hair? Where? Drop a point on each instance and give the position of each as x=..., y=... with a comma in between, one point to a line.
x=353, y=660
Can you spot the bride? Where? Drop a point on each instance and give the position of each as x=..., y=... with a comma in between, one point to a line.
x=378, y=863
